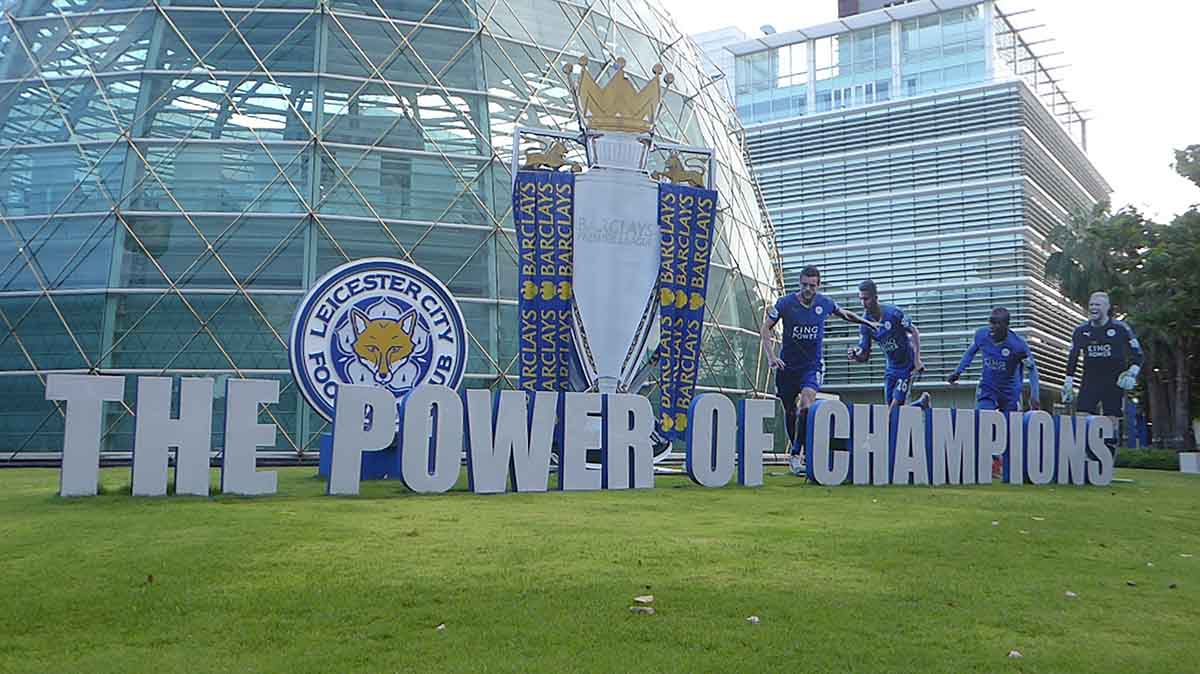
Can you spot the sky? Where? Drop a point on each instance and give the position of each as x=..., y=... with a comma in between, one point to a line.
x=1132, y=65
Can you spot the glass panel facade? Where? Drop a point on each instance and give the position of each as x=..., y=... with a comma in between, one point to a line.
x=933, y=52
x=936, y=51
x=853, y=69
x=943, y=51
x=177, y=175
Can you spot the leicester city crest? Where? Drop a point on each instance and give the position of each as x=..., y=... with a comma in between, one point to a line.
x=376, y=322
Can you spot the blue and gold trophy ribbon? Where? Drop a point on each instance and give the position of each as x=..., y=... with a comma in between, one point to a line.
x=564, y=218
x=525, y=223
x=543, y=205
x=690, y=301
x=547, y=314
x=683, y=249
x=668, y=207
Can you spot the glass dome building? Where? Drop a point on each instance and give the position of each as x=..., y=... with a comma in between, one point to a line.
x=176, y=174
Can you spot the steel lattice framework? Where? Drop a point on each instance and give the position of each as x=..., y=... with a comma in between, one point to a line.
x=176, y=174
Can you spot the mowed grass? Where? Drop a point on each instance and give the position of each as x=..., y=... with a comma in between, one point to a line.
x=850, y=579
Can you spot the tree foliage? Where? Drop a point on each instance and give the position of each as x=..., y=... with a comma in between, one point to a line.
x=1099, y=250
x=1187, y=163
x=1152, y=274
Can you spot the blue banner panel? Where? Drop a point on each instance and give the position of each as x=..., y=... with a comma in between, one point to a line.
x=543, y=215
x=564, y=223
x=691, y=299
x=668, y=207
x=686, y=218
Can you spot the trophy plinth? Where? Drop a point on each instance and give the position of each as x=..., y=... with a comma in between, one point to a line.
x=619, y=150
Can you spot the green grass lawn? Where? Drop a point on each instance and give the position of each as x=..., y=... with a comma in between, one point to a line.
x=851, y=579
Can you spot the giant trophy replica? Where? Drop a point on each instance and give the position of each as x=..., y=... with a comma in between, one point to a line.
x=610, y=253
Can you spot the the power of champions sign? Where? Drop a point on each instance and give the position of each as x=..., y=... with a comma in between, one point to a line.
x=612, y=287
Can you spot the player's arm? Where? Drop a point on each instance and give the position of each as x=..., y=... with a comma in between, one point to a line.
x=766, y=333
x=965, y=362
x=914, y=338
x=847, y=315
x=1035, y=389
x=1068, y=389
x=862, y=352
x=1128, y=379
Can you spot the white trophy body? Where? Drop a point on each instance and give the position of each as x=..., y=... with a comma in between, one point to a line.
x=616, y=255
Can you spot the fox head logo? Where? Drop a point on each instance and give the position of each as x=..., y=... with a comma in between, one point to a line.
x=383, y=344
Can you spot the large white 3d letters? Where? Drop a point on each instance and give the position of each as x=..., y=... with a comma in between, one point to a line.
x=244, y=435
x=753, y=441
x=711, y=440
x=155, y=431
x=911, y=464
x=1039, y=447
x=1100, y=470
x=582, y=420
x=869, y=444
x=512, y=435
x=431, y=414
x=85, y=396
x=993, y=440
x=1072, y=449
x=952, y=446
x=504, y=440
x=365, y=419
x=627, y=457
x=827, y=419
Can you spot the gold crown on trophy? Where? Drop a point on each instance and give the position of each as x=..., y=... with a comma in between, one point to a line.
x=618, y=106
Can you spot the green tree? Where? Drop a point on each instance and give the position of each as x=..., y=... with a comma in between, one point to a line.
x=1099, y=250
x=1169, y=285
x=1152, y=274
x=1102, y=250
x=1187, y=163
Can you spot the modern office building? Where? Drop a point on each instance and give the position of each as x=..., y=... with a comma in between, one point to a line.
x=926, y=146
x=851, y=7
x=176, y=175
x=718, y=62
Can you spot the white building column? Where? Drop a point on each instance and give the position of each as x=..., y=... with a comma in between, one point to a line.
x=897, y=81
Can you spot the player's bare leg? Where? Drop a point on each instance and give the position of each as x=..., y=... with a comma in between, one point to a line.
x=796, y=461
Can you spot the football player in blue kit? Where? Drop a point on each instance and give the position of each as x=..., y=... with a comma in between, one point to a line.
x=800, y=366
x=901, y=344
x=1005, y=356
x=1112, y=359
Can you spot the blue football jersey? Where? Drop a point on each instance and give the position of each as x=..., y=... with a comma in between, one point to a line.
x=803, y=330
x=1004, y=363
x=892, y=337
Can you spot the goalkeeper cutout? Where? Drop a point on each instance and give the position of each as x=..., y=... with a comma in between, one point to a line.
x=1112, y=359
